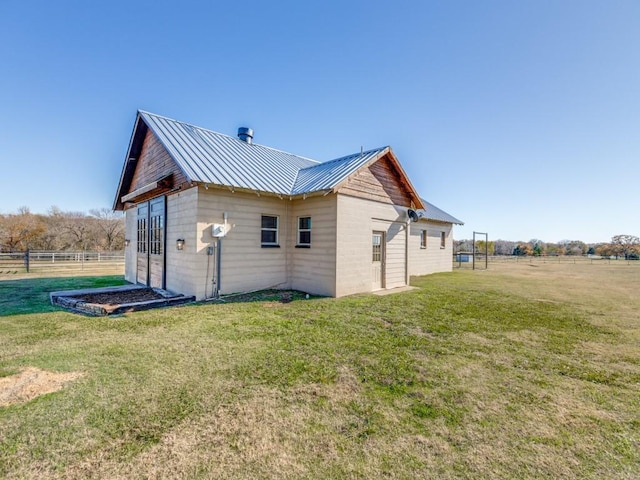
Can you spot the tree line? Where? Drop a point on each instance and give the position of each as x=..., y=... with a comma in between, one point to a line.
x=100, y=229
x=620, y=246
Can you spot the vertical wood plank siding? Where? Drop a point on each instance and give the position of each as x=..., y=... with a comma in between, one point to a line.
x=378, y=182
x=154, y=163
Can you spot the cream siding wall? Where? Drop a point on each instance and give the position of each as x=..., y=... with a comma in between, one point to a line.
x=245, y=265
x=313, y=269
x=433, y=259
x=357, y=218
x=182, y=266
x=395, y=245
x=130, y=252
x=337, y=264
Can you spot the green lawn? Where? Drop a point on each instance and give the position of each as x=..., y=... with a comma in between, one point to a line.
x=515, y=372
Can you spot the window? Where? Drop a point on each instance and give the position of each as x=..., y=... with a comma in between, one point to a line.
x=304, y=232
x=443, y=239
x=376, y=247
x=156, y=233
x=423, y=239
x=142, y=235
x=269, y=231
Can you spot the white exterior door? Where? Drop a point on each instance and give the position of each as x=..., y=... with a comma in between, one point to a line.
x=377, y=260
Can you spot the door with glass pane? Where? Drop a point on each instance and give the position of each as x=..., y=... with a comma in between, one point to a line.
x=151, y=243
x=377, y=260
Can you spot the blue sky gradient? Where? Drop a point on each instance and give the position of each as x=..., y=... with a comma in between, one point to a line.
x=520, y=118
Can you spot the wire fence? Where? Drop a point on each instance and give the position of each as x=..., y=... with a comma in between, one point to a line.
x=63, y=262
x=466, y=260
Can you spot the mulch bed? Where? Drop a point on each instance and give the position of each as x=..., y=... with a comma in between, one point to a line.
x=116, y=300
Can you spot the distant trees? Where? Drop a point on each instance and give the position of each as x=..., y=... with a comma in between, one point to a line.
x=538, y=247
x=573, y=247
x=523, y=249
x=102, y=229
x=504, y=247
x=626, y=246
x=21, y=230
x=621, y=246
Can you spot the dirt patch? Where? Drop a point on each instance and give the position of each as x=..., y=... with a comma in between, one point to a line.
x=271, y=297
x=31, y=383
x=121, y=297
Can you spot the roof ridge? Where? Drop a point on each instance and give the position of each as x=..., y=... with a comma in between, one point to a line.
x=345, y=157
x=229, y=136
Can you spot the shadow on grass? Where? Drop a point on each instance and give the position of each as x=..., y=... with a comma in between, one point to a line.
x=31, y=295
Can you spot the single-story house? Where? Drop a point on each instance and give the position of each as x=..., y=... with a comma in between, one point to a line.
x=209, y=214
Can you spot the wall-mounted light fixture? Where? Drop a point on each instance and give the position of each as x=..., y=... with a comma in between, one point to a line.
x=180, y=243
x=126, y=242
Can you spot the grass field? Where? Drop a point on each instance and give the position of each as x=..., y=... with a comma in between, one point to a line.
x=516, y=372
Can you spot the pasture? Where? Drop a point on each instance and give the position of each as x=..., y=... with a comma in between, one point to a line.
x=520, y=371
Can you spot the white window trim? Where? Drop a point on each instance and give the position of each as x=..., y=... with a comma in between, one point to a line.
x=443, y=239
x=298, y=242
x=263, y=229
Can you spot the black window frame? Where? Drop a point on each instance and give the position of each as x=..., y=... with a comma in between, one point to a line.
x=269, y=230
x=301, y=243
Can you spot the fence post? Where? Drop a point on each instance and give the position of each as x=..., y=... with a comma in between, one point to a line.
x=26, y=260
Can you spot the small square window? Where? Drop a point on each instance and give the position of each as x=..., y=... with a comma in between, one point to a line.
x=304, y=232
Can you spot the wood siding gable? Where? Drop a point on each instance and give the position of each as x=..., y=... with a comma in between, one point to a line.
x=155, y=171
x=380, y=182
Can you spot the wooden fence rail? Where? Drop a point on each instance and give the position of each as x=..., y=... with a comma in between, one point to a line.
x=38, y=261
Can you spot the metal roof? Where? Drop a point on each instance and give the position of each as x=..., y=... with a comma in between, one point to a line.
x=210, y=157
x=213, y=158
x=434, y=213
x=328, y=174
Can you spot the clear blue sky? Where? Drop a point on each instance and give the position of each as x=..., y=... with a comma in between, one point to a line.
x=522, y=118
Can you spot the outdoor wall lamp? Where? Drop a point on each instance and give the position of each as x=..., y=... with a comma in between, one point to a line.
x=126, y=242
x=180, y=243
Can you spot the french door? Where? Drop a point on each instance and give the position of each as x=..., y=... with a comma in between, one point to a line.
x=151, y=243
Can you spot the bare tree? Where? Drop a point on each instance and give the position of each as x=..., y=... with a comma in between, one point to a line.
x=504, y=247
x=111, y=225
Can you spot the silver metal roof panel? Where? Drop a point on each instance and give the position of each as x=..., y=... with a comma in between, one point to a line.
x=434, y=213
x=210, y=157
x=327, y=175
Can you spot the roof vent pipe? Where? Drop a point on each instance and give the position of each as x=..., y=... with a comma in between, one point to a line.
x=245, y=134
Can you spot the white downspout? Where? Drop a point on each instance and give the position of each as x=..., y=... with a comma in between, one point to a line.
x=406, y=254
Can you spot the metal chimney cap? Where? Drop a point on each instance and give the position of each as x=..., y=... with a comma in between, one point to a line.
x=245, y=134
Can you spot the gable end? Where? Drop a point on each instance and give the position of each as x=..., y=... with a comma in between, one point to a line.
x=149, y=169
x=379, y=181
